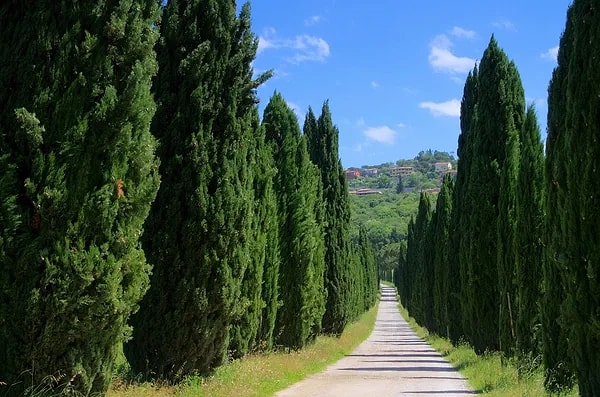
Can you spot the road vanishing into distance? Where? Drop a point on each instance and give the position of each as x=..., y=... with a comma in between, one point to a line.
x=393, y=361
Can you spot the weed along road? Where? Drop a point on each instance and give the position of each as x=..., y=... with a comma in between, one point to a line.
x=393, y=361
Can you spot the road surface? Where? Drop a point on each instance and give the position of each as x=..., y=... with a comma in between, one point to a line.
x=393, y=361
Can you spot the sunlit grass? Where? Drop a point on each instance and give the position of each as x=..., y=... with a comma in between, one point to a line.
x=261, y=374
x=489, y=374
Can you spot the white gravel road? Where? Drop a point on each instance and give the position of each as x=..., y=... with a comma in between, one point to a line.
x=393, y=361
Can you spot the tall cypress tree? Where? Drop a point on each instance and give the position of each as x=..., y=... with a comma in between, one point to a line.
x=528, y=263
x=441, y=269
x=298, y=187
x=323, y=148
x=78, y=176
x=198, y=232
x=557, y=361
x=493, y=128
x=459, y=303
x=267, y=229
x=406, y=266
x=576, y=141
x=416, y=260
x=367, y=259
x=512, y=120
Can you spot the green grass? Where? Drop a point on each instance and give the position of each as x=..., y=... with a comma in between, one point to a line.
x=256, y=375
x=490, y=374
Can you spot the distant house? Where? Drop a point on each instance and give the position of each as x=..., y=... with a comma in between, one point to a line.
x=370, y=171
x=401, y=171
x=352, y=174
x=443, y=166
x=365, y=192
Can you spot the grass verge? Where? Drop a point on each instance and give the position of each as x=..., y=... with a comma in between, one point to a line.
x=491, y=374
x=261, y=374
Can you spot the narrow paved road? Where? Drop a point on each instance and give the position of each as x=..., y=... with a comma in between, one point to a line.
x=393, y=361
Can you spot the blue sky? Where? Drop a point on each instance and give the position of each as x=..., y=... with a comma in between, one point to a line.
x=393, y=71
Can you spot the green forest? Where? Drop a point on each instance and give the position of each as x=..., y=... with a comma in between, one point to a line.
x=146, y=206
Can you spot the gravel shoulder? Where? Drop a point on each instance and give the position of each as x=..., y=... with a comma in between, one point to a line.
x=393, y=361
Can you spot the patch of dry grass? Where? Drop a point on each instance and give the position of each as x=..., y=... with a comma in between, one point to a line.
x=261, y=374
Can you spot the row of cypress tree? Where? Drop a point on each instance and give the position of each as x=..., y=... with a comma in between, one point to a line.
x=509, y=258
x=242, y=246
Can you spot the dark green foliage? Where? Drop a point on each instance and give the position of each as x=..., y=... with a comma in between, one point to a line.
x=244, y=331
x=400, y=185
x=442, y=274
x=574, y=185
x=405, y=271
x=323, y=148
x=493, y=126
x=78, y=174
x=511, y=120
x=528, y=263
x=462, y=204
x=267, y=240
x=298, y=188
x=199, y=230
x=559, y=371
x=416, y=255
x=367, y=261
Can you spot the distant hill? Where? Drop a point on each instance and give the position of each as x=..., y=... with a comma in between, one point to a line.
x=423, y=172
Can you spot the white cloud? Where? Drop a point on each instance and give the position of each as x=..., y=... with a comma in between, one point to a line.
x=382, y=134
x=505, y=24
x=309, y=48
x=551, y=54
x=313, y=20
x=461, y=33
x=357, y=148
x=360, y=122
x=401, y=125
x=297, y=109
x=374, y=84
x=443, y=60
x=449, y=108
x=304, y=48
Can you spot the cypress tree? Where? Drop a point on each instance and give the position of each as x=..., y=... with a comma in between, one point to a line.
x=428, y=274
x=367, y=258
x=416, y=261
x=323, y=148
x=267, y=228
x=557, y=362
x=493, y=128
x=245, y=331
x=302, y=267
x=407, y=264
x=441, y=268
x=78, y=175
x=528, y=263
x=459, y=303
x=576, y=141
x=512, y=119
x=198, y=230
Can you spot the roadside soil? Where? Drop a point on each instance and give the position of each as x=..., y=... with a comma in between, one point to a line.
x=393, y=361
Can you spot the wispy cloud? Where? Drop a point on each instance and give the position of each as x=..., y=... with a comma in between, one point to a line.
x=297, y=109
x=551, y=54
x=449, y=108
x=504, y=24
x=374, y=84
x=401, y=125
x=442, y=59
x=381, y=134
x=461, y=33
x=313, y=20
x=304, y=48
